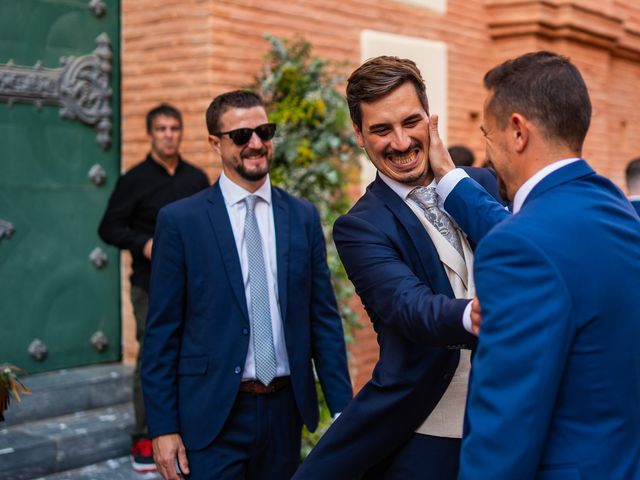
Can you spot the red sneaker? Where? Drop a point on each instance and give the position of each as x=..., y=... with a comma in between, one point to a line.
x=142, y=456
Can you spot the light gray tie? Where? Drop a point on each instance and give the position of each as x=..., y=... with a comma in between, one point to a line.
x=427, y=199
x=263, y=350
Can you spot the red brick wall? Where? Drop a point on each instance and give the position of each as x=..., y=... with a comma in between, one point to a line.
x=187, y=51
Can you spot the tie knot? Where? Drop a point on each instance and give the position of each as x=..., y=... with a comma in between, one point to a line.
x=424, y=196
x=251, y=200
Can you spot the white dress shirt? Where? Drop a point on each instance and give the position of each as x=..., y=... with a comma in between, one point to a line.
x=451, y=179
x=234, y=196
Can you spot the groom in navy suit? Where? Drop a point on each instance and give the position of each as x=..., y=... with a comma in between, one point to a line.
x=408, y=263
x=555, y=383
x=241, y=304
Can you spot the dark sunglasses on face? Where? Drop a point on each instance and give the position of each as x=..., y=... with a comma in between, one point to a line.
x=241, y=136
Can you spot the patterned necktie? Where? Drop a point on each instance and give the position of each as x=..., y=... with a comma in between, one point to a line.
x=427, y=199
x=263, y=350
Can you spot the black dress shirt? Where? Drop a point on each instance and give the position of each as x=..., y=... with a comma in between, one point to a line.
x=139, y=194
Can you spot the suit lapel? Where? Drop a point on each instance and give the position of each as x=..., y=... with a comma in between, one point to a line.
x=427, y=255
x=281, y=222
x=221, y=224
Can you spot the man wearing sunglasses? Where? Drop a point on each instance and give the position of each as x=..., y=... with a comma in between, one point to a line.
x=241, y=303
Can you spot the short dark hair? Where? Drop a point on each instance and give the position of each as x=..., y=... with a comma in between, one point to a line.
x=461, y=156
x=632, y=174
x=544, y=87
x=226, y=101
x=163, y=109
x=378, y=77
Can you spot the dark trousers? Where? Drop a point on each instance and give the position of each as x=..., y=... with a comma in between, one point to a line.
x=259, y=441
x=140, y=302
x=423, y=457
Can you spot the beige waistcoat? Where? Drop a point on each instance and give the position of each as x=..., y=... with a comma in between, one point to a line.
x=447, y=417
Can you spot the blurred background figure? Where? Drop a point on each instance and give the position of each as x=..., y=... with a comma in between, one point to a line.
x=632, y=175
x=461, y=156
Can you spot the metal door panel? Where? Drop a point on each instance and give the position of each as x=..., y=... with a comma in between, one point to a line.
x=49, y=289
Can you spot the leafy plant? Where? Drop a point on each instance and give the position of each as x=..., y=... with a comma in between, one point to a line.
x=314, y=155
x=10, y=386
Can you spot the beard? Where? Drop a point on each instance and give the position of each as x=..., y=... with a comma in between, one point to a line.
x=256, y=174
x=418, y=177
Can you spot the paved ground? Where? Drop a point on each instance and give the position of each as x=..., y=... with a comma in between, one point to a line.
x=117, y=469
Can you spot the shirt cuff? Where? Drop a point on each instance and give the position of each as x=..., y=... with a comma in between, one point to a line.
x=466, y=317
x=449, y=182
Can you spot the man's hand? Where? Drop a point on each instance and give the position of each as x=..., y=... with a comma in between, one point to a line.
x=167, y=449
x=148, y=247
x=439, y=157
x=476, y=316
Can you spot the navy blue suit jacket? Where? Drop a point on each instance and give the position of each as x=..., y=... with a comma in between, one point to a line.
x=555, y=385
x=196, y=336
x=398, y=275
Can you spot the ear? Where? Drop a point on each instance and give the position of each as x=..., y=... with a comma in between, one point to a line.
x=359, y=136
x=520, y=131
x=214, y=141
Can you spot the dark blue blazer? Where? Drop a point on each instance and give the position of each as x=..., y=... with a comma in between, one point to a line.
x=398, y=275
x=197, y=331
x=555, y=384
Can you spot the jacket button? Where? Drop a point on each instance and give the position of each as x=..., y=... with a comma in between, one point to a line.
x=237, y=370
x=245, y=331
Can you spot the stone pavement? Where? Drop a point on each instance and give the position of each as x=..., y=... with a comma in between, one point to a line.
x=115, y=469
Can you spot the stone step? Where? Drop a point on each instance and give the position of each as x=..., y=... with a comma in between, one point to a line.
x=39, y=448
x=72, y=390
x=113, y=469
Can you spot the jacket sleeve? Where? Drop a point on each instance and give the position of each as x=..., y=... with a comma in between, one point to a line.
x=391, y=293
x=163, y=328
x=474, y=209
x=327, y=336
x=115, y=227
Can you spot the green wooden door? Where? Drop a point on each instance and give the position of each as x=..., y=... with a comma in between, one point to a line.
x=60, y=141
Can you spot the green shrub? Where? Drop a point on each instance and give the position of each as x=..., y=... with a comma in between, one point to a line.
x=315, y=151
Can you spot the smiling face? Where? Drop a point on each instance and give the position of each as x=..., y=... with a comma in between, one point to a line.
x=395, y=136
x=246, y=165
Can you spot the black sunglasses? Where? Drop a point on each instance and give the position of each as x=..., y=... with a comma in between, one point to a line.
x=241, y=136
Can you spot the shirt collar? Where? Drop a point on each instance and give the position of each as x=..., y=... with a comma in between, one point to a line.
x=234, y=193
x=526, y=188
x=162, y=168
x=634, y=198
x=401, y=189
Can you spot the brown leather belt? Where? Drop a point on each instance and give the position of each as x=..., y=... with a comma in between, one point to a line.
x=255, y=387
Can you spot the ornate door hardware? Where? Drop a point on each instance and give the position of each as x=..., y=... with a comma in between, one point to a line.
x=80, y=87
x=97, y=174
x=98, y=258
x=6, y=229
x=99, y=341
x=37, y=350
x=98, y=7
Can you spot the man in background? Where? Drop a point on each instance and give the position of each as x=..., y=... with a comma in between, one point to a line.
x=241, y=310
x=633, y=183
x=129, y=222
x=461, y=156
